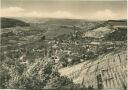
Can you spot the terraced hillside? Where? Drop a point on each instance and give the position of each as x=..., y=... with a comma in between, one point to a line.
x=107, y=71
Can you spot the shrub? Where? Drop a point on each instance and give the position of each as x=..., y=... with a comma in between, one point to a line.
x=38, y=75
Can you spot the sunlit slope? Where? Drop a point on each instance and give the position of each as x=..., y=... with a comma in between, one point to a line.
x=98, y=33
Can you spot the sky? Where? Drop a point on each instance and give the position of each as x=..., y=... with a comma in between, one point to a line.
x=98, y=10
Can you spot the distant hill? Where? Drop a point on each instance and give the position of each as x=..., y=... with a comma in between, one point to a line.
x=110, y=30
x=54, y=27
x=98, y=33
x=120, y=33
x=9, y=22
x=117, y=35
x=57, y=27
x=122, y=22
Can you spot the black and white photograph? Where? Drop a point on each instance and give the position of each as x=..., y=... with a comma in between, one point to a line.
x=63, y=45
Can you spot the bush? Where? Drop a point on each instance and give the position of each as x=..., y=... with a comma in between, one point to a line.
x=38, y=75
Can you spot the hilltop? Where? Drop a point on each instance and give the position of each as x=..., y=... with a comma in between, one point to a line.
x=10, y=22
x=52, y=27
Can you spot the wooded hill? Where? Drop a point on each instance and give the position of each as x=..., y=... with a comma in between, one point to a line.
x=9, y=22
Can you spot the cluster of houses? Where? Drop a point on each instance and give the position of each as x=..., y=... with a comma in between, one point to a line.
x=69, y=48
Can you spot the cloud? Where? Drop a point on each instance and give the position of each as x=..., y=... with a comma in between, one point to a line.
x=57, y=14
x=64, y=14
x=33, y=14
x=98, y=15
x=20, y=12
x=105, y=14
x=12, y=11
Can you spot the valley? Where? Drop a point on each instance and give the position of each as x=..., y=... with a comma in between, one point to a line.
x=72, y=50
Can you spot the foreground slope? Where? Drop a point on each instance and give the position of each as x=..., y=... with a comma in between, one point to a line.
x=107, y=71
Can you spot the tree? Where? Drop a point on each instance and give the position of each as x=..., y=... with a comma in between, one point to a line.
x=43, y=38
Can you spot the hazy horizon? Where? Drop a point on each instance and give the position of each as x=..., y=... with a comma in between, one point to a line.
x=91, y=10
